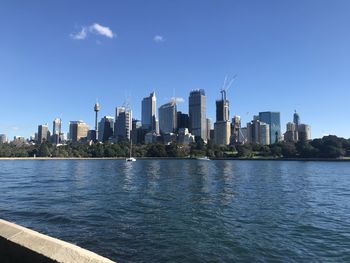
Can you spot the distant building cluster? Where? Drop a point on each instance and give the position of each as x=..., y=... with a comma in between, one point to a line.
x=171, y=125
x=297, y=131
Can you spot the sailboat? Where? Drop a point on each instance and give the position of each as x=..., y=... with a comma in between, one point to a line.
x=130, y=159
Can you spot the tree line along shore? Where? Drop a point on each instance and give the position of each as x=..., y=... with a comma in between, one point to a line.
x=328, y=147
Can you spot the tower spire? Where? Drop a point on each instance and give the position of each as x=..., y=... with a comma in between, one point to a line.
x=96, y=109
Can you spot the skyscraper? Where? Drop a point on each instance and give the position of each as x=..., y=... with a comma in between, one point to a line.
x=297, y=131
x=273, y=119
x=222, y=126
x=258, y=132
x=42, y=132
x=304, y=132
x=123, y=124
x=235, y=126
x=56, y=130
x=291, y=134
x=3, y=138
x=167, y=117
x=296, y=119
x=209, y=124
x=137, y=133
x=222, y=108
x=148, y=117
x=78, y=130
x=105, y=128
x=197, y=113
x=182, y=120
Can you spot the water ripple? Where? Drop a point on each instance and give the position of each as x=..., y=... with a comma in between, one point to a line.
x=185, y=211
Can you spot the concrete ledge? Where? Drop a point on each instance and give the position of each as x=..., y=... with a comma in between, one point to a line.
x=20, y=244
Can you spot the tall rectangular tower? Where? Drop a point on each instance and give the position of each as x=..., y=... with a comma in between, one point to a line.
x=168, y=117
x=222, y=126
x=42, y=133
x=148, y=115
x=105, y=128
x=78, y=130
x=123, y=124
x=197, y=113
x=273, y=119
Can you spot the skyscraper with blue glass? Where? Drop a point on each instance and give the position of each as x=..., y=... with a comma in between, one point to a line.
x=274, y=120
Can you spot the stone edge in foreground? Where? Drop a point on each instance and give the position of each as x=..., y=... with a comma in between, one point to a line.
x=49, y=247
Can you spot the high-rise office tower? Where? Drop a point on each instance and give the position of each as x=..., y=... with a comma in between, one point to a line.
x=123, y=124
x=222, y=126
x=222, y=132
x=297, y=131
x=167, y=117
x=273, y=119
x=78, y=130
x=235, y=126
x=291, y=134
x=182, y=120
x=148, y=117
x=304, y=132
x=209, y=124
x=42, y=133
x=296, y=119
x=197, y=113
x=105, y=128
x=222, y=108
x=56, y=130
x=258, y=132
x=137, y=133
x=3, y=138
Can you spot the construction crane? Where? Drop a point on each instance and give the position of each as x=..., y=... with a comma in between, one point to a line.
x=227, y=84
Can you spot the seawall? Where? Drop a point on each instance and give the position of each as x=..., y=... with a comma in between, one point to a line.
x=20, y=244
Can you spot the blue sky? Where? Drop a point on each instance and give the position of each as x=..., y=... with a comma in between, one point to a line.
x=287, y=55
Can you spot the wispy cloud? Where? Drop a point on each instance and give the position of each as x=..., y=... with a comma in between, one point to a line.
x=158, y=39
x=82, y=34
x=96, y=29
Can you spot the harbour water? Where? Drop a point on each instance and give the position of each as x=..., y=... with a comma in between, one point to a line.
x=185, y=210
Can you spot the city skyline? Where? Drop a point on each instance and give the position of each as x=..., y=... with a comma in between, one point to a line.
x=286, y=56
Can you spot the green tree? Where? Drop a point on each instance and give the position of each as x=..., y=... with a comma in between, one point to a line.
x=288, y=149
x=156, y=150
x=244, y=150
x=44, y=150
x=276, y=150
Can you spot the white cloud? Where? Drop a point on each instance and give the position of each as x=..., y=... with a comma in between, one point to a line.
x=101, y=30
x=178, y=99
x=80, y=35
x=158, y=39
x=96, y=29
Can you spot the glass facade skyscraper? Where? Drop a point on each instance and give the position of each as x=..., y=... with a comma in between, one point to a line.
x=148, y=117
x=296, y=119
x=197, y=113
x=105, y=128
x=274, y=120
x=42, y=133
x=78, y=130
x=167, y=118
x=123, y=124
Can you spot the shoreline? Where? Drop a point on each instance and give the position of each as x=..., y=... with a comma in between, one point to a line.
x=171, y=158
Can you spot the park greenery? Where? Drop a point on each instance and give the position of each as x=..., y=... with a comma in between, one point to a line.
x=327, y=147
